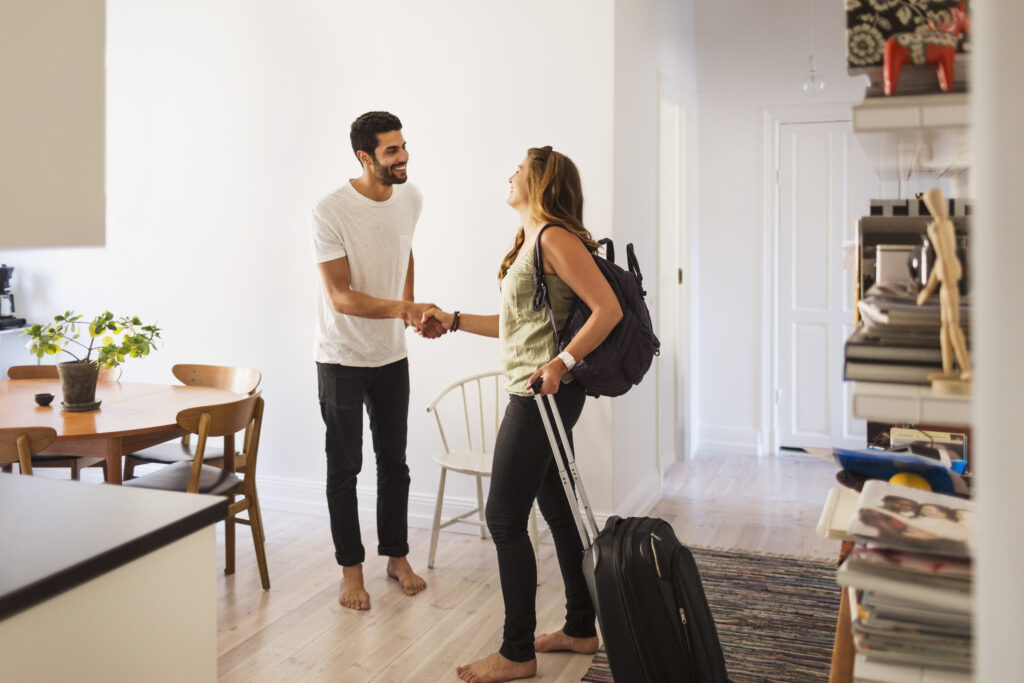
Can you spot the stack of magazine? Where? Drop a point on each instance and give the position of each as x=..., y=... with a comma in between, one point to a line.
x=897, y=340
x=909, y=579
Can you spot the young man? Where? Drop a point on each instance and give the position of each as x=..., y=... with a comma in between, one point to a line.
x=362, y=234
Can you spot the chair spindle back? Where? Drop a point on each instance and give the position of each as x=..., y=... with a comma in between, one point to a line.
x=483, y=390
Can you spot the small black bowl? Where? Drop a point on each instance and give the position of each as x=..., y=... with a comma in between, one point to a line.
x=44, y=399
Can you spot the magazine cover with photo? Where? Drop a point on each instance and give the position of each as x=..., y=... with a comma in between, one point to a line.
x=911, y=562
x=910, y=519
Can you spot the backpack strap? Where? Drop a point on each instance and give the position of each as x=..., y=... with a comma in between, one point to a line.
x=541, y=298
x=634, y=267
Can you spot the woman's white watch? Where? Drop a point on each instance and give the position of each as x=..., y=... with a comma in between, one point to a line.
x=567, y=359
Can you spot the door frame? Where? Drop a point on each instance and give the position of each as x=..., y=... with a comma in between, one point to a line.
x=772, y=121
x=683, y=353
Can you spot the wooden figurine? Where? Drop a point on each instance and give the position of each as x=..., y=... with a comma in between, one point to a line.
x=946, y=273
x=927, y=45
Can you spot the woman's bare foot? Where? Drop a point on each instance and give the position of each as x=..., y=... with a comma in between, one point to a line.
x=400, y=570
x=353, y=595
x=559, y=642
x=494, y=668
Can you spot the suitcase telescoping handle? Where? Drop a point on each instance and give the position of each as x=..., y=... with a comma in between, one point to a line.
x=585, y=522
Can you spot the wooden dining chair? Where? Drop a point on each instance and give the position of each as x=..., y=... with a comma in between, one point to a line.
x=242, y=381
x=50, y=372
x=18, y=444
x=75, y=463
x=195, y=477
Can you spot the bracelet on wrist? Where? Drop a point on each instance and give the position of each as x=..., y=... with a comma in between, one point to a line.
x=456, y=319
x=567, y=359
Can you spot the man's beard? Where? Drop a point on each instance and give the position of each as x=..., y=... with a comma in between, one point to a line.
x=385, y=176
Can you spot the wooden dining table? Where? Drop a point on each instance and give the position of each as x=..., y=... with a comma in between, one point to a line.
x=131, y=417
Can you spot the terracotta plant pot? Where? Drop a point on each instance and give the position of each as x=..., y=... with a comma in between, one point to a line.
x=78, y=383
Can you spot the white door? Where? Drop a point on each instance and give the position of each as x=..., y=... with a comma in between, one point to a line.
x=668, y=300
x=825, y=184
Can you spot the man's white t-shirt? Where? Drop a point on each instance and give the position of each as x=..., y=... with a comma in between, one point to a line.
x=377, y=239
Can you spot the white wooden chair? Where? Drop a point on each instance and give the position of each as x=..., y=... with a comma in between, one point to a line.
x=476, y=403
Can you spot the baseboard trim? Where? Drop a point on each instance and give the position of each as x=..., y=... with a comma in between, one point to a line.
x=307, y=497
x=729, y=440
x=292, y=495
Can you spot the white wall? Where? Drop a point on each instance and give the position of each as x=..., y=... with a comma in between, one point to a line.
x=642, y=66
x=751, y=57
x=228, y=120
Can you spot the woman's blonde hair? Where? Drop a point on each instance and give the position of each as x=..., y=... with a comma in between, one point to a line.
x=555, y=194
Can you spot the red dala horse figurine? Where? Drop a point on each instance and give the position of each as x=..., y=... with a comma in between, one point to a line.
x=927, y=45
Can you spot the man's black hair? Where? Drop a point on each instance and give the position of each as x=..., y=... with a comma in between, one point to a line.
x=366, y=128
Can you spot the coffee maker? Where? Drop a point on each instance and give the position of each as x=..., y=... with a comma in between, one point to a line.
x=7, y=318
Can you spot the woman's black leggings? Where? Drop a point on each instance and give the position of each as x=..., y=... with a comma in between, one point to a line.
x=524, y=470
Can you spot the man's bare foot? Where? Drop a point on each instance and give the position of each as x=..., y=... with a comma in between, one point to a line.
x=353, y=595
x=400, y=570
x=494, y=668
x=559, y=642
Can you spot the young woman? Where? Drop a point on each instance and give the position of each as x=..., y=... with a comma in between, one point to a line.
x=545, y=189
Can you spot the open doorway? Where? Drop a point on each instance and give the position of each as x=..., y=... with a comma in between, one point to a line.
x=671, y=298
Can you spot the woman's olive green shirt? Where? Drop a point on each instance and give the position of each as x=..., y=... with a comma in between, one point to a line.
x=525, y=336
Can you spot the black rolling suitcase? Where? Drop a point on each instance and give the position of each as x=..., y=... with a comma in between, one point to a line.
x=650, y=603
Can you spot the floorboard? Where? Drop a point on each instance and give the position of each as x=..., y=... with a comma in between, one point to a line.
x=298, y=632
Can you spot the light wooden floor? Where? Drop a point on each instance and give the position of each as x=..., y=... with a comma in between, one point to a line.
x=298, y=632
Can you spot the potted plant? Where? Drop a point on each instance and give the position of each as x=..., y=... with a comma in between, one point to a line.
x=111, y=339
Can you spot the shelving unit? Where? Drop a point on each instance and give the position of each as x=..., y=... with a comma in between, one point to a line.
x=922, y=138
x=908, y=403
x=919, y=136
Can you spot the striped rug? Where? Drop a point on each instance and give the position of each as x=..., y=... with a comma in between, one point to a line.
x=775, y=616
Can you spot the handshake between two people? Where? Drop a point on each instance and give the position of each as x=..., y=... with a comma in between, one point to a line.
x=431, y=322
x=427, y=320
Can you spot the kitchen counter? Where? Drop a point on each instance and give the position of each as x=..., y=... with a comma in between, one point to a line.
x=96, y=580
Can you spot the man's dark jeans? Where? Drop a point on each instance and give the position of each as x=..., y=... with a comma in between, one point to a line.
x=384, y=390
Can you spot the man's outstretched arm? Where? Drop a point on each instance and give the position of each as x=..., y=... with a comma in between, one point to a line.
x=337, y=280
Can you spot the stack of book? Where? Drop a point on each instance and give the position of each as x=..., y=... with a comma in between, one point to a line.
x=897, y=340
x=909, y=579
